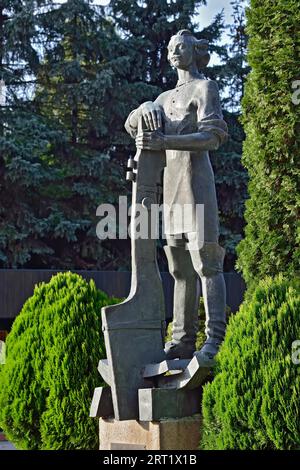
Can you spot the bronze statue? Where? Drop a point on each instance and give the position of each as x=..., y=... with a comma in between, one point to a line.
x=191, y=118
x=173, y=135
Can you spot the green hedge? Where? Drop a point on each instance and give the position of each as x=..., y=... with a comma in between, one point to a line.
x=272, y=147
x=253, y=401
x=50, y=373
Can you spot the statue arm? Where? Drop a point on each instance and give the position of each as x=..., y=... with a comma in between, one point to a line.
x=191, y=142
x=152, y=116
x=212, y=129
x=210, y=117
x=131, y=123
x=151, y=112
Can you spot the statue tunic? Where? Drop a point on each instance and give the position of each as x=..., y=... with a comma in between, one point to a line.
x=192, y=107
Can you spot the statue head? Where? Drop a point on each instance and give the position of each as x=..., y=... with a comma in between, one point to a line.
x=185, y=50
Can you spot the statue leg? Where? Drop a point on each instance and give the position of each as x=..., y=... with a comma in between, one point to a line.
x=208, y=263
x=185, y=311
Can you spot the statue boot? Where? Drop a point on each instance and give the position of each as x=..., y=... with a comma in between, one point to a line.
x=208, y=263
x=186, y=298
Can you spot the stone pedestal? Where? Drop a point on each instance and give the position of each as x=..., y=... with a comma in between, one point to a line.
x=169, y=434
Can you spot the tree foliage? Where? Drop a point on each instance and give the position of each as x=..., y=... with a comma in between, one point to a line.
x=271, y=150
x=73, y=71
x=253, y=401
x=147, y=35
x=52, y=352
x=56, y=142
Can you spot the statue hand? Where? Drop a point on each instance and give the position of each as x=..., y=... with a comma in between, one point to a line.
x=150, y=141
x=152, y=115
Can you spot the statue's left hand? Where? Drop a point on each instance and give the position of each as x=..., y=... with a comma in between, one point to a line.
x=150, y=140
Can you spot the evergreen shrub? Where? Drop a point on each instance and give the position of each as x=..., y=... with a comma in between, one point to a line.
x=271, y=117
x=47, y=382
x=253, y=401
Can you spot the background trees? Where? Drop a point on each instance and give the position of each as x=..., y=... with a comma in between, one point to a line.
x=23, y=135
x=271, y=150
x=56, y=139
x=73, y=71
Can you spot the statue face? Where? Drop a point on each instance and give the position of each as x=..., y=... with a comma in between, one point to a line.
x=181, y=52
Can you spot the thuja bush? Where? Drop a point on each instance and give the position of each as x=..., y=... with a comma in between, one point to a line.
x=271, y=117
x=253, y=401
x=47, y=382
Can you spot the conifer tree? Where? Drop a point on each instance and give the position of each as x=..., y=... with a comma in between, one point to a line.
x=79, y=92
x=271, y=152
x=23, y=137
x=73, y=72
x=62, y=74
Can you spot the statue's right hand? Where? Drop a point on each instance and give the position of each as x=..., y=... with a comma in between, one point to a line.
x=152, y=115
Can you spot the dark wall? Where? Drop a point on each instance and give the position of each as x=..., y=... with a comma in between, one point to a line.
x=17, y=285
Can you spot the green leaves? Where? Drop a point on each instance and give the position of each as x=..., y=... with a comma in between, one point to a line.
x=50, y=373
x=272, y=145
x=58, y=133
x=73, y=75
x=253, y=401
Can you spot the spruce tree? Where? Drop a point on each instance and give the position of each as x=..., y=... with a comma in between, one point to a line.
x=78, y=70
x=47, y=382
x=271, y=150
x=148, y=27
x=63, y=74
x=79, y=92
x=23, y=138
